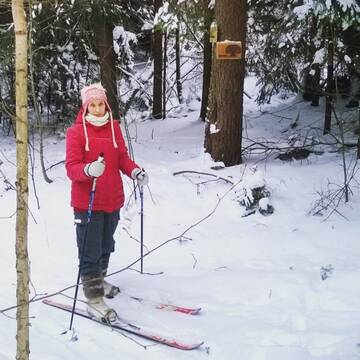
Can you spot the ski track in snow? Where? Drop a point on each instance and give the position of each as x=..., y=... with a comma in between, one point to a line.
x=257, y=279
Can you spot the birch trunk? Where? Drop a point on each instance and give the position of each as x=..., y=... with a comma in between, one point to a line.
x=22, y=263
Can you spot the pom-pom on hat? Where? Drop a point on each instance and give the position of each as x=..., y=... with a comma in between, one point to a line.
x=95, y=92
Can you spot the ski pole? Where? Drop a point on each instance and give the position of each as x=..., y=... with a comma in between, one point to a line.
x=141, y=227
x=83, y=243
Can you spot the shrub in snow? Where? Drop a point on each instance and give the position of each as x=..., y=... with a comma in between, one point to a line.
x=255, y=196
x=265, y=207
x=294, y=154
x=326, y=271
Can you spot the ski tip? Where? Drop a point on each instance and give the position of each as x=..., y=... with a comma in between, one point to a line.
x=196, y=311
x=193, y=347
x=47, y=301
x=188, y=311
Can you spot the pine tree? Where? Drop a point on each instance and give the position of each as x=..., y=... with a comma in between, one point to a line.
x=223, y=134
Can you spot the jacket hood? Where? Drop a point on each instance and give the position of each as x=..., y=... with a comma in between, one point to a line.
x=79, y=116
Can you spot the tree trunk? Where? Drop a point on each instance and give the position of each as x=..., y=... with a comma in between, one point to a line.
x=164, y=74
x=104, y=45
x=207, y=55
x=178, y=64
x=158, y=60
x=329, y=81
x=39, y=120
x=223, y=134
x=22, y=261
x=311, y=90
x=358, y=143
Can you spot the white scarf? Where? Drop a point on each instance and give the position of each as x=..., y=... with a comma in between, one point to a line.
x=97, y=120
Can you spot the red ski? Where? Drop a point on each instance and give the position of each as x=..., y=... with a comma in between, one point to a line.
x=167, y=307
x=121, y=325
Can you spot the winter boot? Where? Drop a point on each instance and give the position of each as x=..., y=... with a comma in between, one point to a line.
x=110, y=290
x=94, y=291
x=97, y=308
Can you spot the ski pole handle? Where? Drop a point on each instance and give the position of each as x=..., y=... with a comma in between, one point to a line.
x=101, y=157
x=93, y=187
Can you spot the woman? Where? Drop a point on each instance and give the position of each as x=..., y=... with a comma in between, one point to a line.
x=95, y=133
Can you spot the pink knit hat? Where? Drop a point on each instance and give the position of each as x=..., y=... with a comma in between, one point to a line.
x=88, y=94
x=92, y=92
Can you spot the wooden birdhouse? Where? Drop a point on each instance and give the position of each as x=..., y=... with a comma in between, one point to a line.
x=228, y=50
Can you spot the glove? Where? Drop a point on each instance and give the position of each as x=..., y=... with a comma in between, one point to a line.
x=140, y=176
x=95, y=168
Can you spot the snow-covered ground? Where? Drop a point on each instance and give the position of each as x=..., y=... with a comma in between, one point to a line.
x=283, y=286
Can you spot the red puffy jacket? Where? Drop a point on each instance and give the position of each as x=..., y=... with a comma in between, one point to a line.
x=109, y=194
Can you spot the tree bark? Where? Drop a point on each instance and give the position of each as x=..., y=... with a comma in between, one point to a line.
x=358, y=143
x=104, y=45
x=158, y=60
x=207, y=55
x=329, y=81
x=22, y=262
x=178, y=64
x=36, y=107
x=223, y=134
x=164, y=74
x=312, y=74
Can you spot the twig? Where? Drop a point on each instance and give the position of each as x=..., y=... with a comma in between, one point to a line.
x=32, y=166
x=147, y=273
x=195, y=261
x=8, y=217
x=9, y=161
x=202, y=173
x=277, y=111
x=12, y=187
x=56, y=164
x=330, y=199
x=340, y=122
x=133, y=238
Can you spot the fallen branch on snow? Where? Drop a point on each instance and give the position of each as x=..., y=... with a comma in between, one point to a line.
x=203, y=173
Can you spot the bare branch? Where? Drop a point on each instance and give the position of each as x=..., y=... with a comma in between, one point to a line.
x=203, y=173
